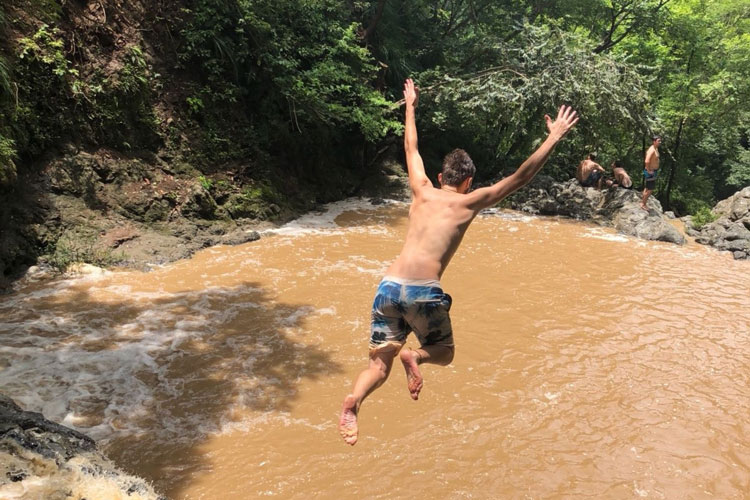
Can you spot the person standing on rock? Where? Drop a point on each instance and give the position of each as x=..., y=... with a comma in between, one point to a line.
x=650, y=170
x=589, y=173
x=410, y=297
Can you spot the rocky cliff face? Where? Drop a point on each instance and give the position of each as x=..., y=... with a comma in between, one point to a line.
x=45, y=460
x=614, y=207
x=731, y=231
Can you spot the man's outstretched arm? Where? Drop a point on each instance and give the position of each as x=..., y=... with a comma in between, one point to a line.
x=417, y=177
x=488, y=196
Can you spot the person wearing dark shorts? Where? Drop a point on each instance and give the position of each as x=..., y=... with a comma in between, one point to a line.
x=589, y=173
x=592, y=180
x=649, y=179
x=404, y=305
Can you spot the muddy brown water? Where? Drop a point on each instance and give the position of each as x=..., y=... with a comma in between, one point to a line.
x=588, y=365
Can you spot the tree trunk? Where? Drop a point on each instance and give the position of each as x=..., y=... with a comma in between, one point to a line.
x=675, y=158
x=374, y=23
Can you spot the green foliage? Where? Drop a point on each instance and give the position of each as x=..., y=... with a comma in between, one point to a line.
x=700, y=87
x=7, y=166
x=43, y=75
x=6, y=85
x=195, y=105
x=47, y=47
x=703, y=216
x=55, y=104
x=77, y=247
x=293, y=74
x=739, y=168
x=205, y=182
x=497, y=113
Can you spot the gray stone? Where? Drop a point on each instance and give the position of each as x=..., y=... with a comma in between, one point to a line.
x=615, y=207
x=731, y=231
x=239, y=237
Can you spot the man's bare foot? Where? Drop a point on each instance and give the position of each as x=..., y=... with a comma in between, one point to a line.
x=348, y=420
x=413, y=377
x=644, y=207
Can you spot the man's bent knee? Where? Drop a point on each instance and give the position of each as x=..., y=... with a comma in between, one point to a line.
x=439, y=354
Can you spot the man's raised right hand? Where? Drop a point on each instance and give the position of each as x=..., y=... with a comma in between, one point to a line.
x=411, y=93
x=566, y=120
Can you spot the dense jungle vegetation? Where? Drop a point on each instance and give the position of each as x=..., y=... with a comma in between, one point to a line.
x=290, y=102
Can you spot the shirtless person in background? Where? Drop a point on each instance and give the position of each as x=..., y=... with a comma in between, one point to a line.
x=650, y=170
x=410, y=298
x=590, y=173
x=621, y=176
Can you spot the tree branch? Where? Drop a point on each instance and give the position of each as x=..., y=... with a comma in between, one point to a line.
x=374, y=23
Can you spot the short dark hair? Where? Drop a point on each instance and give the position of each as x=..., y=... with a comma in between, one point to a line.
x=592, y=155
x=457, y=167
x=655, y=138
x=617, y=164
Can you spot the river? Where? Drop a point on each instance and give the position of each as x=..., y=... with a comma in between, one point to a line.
x=588, y=365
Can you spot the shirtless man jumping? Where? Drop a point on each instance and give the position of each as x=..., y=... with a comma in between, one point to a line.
x=650, y=170
x=410, y=298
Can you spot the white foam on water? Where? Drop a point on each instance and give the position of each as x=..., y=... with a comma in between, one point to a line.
x=602, y=234
x=294, y=318
x=247, y=424
x=107, y=369
x=507, y=215
x=323, y=221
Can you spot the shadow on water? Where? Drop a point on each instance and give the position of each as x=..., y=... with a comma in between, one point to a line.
x=164, y=373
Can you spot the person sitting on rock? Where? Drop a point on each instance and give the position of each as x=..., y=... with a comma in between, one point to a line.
x=622, y=178
x=590, y=173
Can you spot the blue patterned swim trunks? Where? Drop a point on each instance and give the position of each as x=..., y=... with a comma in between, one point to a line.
x=402, y=306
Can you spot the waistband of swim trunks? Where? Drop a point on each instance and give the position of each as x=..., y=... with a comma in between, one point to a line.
x=412, y=282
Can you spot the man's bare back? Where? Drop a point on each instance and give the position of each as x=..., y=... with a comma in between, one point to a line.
x=590, y=173
x=587, y=166
x=438, y=220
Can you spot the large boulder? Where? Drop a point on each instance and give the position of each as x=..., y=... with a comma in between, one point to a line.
x=42, y=459
x=731, y=231
x=614, y=207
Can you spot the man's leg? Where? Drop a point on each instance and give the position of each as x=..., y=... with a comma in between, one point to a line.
x=368, y=380
x=646, y=194
x=434, y=354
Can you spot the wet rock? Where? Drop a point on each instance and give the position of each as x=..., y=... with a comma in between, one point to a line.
x=116, y=236
x=32, y=431
x=615, y=207
x=42, y=459
x=239, y=237
x=199, y=203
